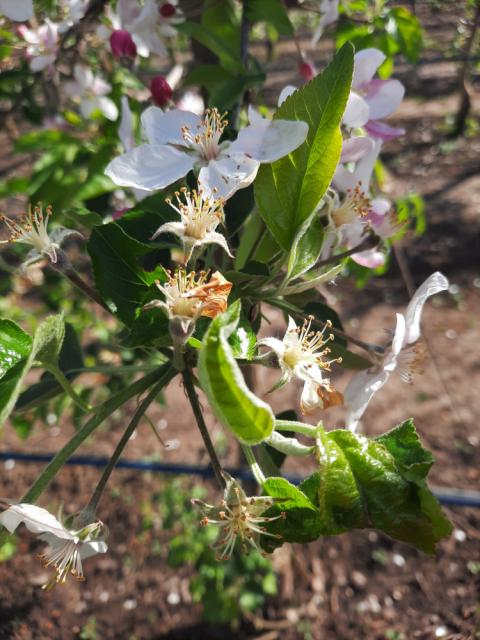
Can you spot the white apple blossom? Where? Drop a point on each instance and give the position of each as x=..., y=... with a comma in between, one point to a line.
x=72, y=11
x=91, y=91
x=403, y=356
x=301, y=355
x=238, y=517
x=372, y=99
x=356, y=212
x=200, y=215
x=66, y=547
x=17, y=10
x=189, y=296
x=180, y=141
x=32, y=230
x=146, y=23
x=42, y=45
x=127, y=138
x=329, y=11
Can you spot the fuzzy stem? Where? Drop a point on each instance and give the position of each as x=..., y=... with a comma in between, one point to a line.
x=369, y=242
x=67, y=387
x=64, y=267
x=197, y=412
x=254, y=466
x=296, y=427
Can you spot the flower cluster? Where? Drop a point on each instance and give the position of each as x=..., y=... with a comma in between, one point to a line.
x=31, y=230
x=301, y=355
x=239, y=518
x=200, y=216
x=66, y=549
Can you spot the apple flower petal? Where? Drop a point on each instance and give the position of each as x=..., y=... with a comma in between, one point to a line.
x=165, y=127
x=357, y=111
x=149, y=167
x=434, y=284
x=360, y=390
x=383, y=97
x=17, y=10
x=355, y=148
x=367, y=62
x=268, y=140
x=222, y=177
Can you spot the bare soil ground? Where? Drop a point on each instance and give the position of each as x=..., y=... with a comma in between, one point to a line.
x=356, y=586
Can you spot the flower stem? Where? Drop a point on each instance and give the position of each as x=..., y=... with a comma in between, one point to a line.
x=369, y=242
x=65, y=267
x=296, y=427
x=253, y=464
x=197, y=412
x=88, y=514
x=67, y=387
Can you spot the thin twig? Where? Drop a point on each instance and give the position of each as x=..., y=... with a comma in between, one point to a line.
x=197, y=412
x=370, y=242
x=64, y=267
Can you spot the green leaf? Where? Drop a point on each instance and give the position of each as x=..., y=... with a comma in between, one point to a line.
x=404, y=444
x=150, y=328
x=229, y=55
x=379, y=483
x=302, y=522
x=271, y=11
x=249, y=418
x=408, y=32
x=123, y=283
x=288, y=190
x=19, y=352
x=69, y=359
x=243, y=340
x=306, y=247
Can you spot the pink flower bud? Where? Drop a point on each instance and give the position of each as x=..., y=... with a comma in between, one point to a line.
x=122, y=44
x=167, y=10
x=307, y=71
x=161, y=91
x=119, y=213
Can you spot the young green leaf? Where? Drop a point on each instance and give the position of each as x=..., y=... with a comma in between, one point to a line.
x=378, y=483
x=18, y=353
x=302, y=519
x=272, y=11
x=70, y=360
x=288, y=190
x=119, y=276
x=248, y=417
x=306, y=247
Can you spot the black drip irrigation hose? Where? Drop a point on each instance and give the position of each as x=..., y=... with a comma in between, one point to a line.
x=446, y=496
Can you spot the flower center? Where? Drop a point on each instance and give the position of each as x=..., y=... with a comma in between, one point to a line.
x=200, y=214
x=355, y=206
x=178, y=293
x=307, y=347
x=241, y=517
x=65, y=557
x=206, y=140
x=31, y=229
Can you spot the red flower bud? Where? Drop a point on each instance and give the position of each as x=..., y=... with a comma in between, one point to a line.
x=167, y=10
x=161, y=91
x=119, y=213
x=307, y=71
x=122, y=44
